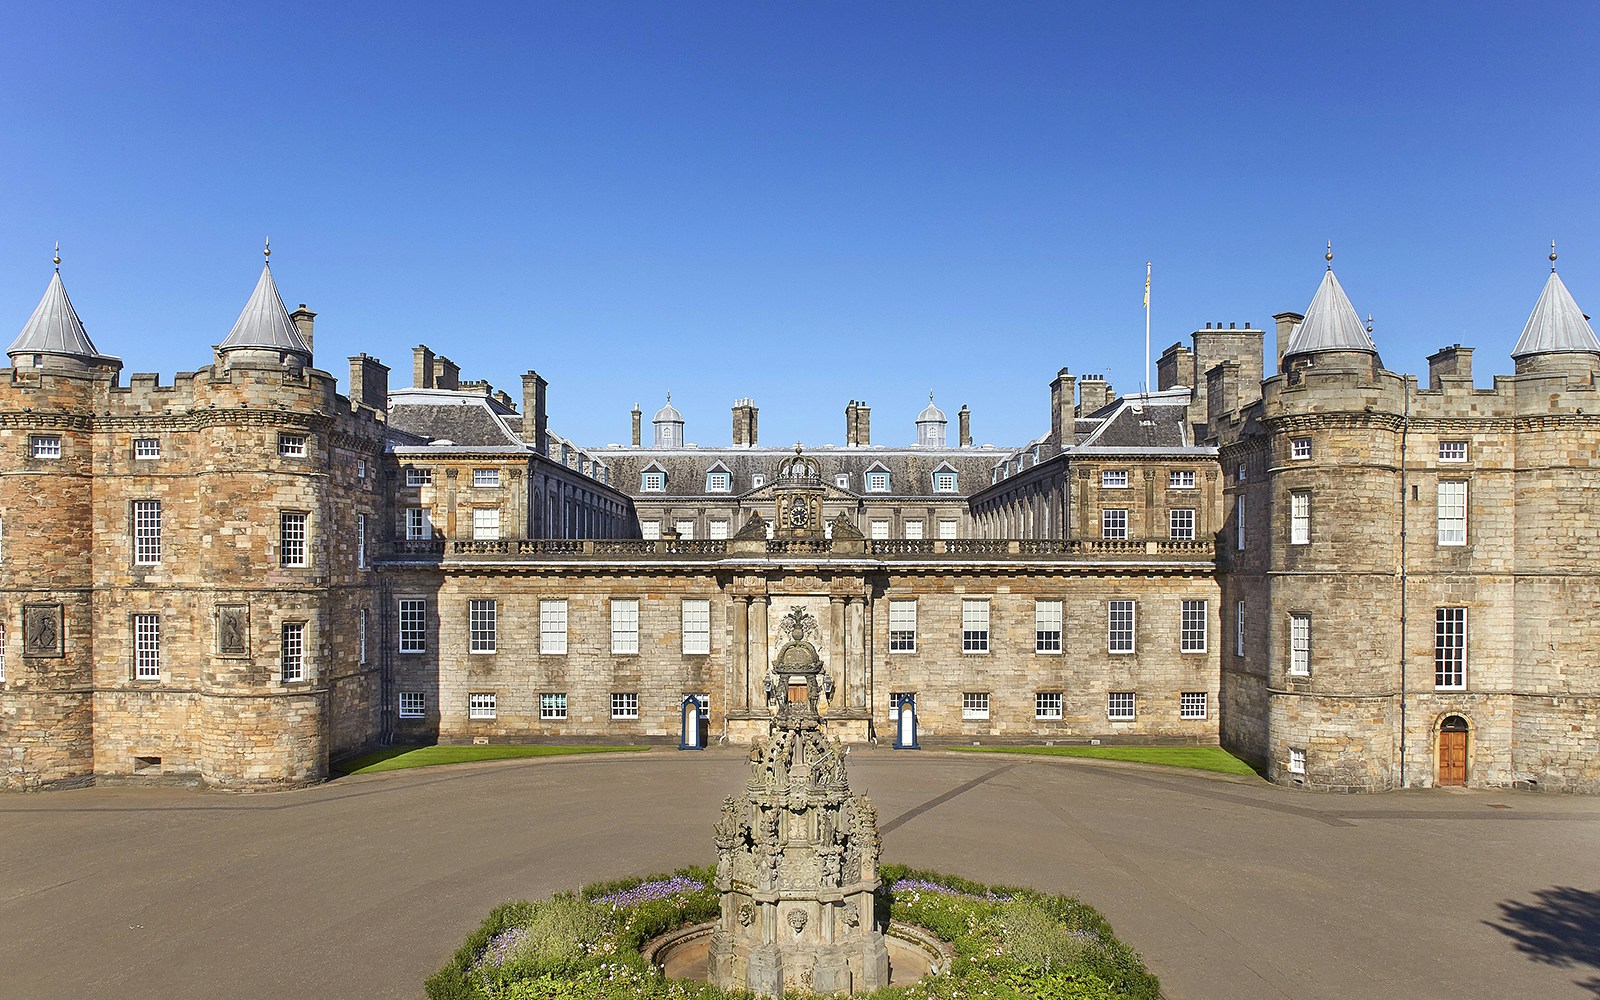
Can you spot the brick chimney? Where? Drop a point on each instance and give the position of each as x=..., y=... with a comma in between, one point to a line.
x=1063, y=432
x=964, y=422
x=1454, y=361
x=535, y=419
x=303, y=320
x=369, y=383
x=421, y=367
x=744, y=423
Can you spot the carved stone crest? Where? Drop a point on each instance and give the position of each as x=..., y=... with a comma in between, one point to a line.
x=233, y=629
x=41, y=630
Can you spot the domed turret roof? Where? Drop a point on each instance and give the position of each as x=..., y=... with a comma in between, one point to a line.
x=931, y=413
x=1556, y=325
x=1331, y=323
x=668, y=413
x=54, y=327
x=265, y=323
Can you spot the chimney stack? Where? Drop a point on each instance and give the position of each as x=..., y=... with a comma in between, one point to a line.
x=1286, y=324
x=1093, y=393
x=638, y=423
x=850, y=425
x=369, y=383
x=1454, y=361
x=1175, y=367
x=863, y=424
x=421, y=367
x=744, y=423
x=535, y=419
x=1063, y=432
x=446, y=374
x=303, y=320
x=964, y=421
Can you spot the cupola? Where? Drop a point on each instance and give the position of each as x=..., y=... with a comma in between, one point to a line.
x=931, y=425
x=669, y=426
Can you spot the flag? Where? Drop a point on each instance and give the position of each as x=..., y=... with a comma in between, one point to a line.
x=1147, y=289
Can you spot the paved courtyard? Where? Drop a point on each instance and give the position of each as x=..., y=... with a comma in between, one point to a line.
x=1232, y=889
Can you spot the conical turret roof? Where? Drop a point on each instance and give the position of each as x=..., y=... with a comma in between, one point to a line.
x=54, y=327
x=1557, y=325
x=1331, y=323
x=265, y=323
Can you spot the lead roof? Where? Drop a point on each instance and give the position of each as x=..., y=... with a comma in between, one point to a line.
x=1331, y=323
x=54, y=327
x=1556, y=324
x=264, y=322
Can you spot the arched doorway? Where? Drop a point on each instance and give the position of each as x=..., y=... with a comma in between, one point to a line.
x=1453, y=734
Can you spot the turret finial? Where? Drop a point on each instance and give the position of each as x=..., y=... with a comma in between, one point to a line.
x=1552, y=256
x=930, y=395
x=1329, y=255
x=266, y=250
x=1369, y=322
x=58, y=256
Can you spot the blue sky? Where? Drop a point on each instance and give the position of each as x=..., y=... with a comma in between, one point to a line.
x=802, y=203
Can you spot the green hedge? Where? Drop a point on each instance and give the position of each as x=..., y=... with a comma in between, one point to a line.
x=1009, y=942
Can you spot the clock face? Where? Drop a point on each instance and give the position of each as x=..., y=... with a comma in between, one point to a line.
x=799, y=512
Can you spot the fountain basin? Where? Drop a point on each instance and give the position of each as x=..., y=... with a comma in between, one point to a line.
x=913, y=952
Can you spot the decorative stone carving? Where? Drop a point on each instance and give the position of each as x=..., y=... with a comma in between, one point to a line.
x=41, y=630
x=233, y=630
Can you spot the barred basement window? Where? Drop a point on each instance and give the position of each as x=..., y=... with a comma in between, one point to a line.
x=1452, y=451
x=696, y=627
x=974, y=626
x=485, y=478
x=1114, y=522
x=482, y=630
x=1119, y=705
x=413, y=704
x=625, y=626
x=1300, y=645
x=1297, y=761
x=485, y=524
x=1114, y=479
x=625, y=705
x=1452, y=513
x=1047, y=626
x=553, y=706
x=419, y=523
x=146, y=532
x=975, y=705
x=419, y=477
x=1180, y=479
x=1047, y=705
x=146, y=448
x=1192, y=705
x=147, y=647
x=292, y=445
x=45, y=446
x=1193, y=627
x=1450, y=648
x=291, y=538
x=481, y=705
x=1299, y=518
x=413, y=625
x=292, y=652
x=1180, y=524
x=553, y=626
x=1119, y=626
x=902, y=626
x=1300, y=448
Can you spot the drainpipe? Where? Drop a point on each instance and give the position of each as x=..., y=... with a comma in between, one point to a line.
x=1405, y=428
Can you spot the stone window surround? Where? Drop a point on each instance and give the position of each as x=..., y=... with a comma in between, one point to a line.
x=1192, y=705
x=552, y=706
x=974, y=706
x=1047, y=705
x=975, y=626
x=482, y=705
x=1048, y=630
x=413, y=704
x=1121, y=706
x=553, y=626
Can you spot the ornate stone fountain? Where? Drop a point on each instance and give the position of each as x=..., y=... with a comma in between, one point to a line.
x=797, y=854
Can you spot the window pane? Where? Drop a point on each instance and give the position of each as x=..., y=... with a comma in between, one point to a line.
x=147, y=532
x=1119, y=705
x=697, y=626
x=975, y=705
x=1193, y=626
x=1119, y=626
x=1180, y=523
x=1047, y=626
x=1450, y=647
x=625, y=626
x=1452, y=513
x=1300, y=644
x=974, y=626
x=1192, y=705
x=147, y=647
x=291, y=539
x=1047, y=705
x=481, y=626
x=902, y=626
x=1299, y=518
x=413, y=625
x=553, y=705
x=553, y=626
x=625, y=705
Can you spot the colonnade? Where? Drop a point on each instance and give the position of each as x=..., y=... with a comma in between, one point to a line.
x=849, y=660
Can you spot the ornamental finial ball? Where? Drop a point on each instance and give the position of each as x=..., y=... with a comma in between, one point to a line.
x=1552, y=255
x=1329, y=255
x=58, y=255
x=266, y=250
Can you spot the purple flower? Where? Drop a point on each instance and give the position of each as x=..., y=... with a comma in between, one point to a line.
x=921, y=884
x=661, y=889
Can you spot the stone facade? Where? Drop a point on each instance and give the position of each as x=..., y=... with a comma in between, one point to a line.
x=1358, y=581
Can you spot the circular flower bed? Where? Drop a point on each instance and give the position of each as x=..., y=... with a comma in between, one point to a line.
x=1009, y=942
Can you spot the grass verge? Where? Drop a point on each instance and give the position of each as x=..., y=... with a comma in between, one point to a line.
x=1197, y=758
x=399, y=758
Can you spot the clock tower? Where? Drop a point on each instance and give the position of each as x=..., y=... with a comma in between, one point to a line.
x=797, y=495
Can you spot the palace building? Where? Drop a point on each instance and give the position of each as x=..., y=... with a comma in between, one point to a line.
x=1355, y=578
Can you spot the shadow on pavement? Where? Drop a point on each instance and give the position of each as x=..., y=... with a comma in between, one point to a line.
x=1562, y=928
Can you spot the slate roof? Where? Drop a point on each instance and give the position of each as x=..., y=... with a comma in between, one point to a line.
x=1138, y=422
x=910, y=470
x=1556, y=325
x=54, y=327
x=462, y=419
x=1331, y=323
x=264, y=322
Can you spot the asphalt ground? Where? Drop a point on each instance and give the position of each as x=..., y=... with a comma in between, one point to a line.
x=1231, y=888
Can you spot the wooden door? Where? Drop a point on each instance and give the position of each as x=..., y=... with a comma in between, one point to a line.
x=1452, y=758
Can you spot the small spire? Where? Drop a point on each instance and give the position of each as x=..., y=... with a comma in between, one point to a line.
x=266, y=251
x=1329, y=255
x=1552, y=256
x=669, y=395
x=58, y=256
x=930, y=395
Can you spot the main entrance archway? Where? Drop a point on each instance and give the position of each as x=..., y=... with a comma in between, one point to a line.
x=1453, y=735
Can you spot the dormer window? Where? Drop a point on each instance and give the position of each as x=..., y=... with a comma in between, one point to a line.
x=486, y=478
x=653, y=482
x=292, y=445
x=719, y=482
x=878, y=482
x=944, y=481
x=842, y=480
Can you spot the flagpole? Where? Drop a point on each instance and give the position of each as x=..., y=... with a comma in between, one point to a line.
x=1147, y=326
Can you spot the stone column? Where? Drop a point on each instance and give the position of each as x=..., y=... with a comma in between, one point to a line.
x=740, y=695
x=517, y=502
x=758, y=640
x=863, y=635
x=839, y=658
